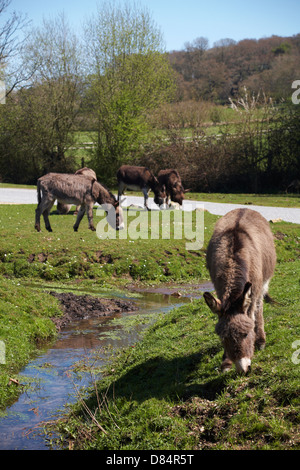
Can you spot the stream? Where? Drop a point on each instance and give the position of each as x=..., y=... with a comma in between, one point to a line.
x=52, y=374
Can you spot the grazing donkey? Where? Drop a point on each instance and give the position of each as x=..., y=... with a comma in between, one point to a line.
x=170, y=179
x=65, y=208
x=139, y=178
x=78, y=190
x=241, y=260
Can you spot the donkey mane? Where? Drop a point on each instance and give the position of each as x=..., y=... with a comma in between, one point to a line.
x=109, y=196
x=235, y=287
x=236, y=273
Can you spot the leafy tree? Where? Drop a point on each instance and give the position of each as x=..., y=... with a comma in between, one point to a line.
x=11, y=25
x=130, y=76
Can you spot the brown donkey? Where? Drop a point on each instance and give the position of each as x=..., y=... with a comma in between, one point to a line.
x=241, y=260
x=79, y=190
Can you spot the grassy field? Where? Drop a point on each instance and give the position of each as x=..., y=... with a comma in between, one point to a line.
x=275, y=200
x=76, y=262
x=66, y=255
x=167, y=392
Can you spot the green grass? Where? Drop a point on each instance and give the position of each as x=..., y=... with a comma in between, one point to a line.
x=17, y=186
x=168, y=393
x=66, y=255
x=25, y=324
x=275, y=200
x=78, y=262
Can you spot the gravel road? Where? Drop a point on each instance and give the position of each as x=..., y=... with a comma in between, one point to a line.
x=28, y=196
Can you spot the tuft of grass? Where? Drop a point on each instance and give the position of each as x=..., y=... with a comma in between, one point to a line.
x=25, y=324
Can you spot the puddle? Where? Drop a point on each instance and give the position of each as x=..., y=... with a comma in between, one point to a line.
x=52, y=377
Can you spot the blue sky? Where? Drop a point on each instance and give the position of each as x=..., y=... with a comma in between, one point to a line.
x=184, y=20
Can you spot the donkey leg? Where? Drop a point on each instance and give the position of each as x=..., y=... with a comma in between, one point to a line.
x=121, y=189
x=145, y=192
x=80, y=214
x=37, y=225
x=43, y=208
x=260, y=335
x=89, y=213
x=46, y=213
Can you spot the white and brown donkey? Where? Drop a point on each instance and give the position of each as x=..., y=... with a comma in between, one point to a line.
x=241, y=260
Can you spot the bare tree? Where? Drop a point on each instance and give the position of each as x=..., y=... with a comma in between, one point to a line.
x=199, y=45
x=12, y=38
x=195, y=52
x=53, y=57
x=46, y=109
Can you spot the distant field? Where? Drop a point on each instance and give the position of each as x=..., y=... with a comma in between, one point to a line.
x=274, y=200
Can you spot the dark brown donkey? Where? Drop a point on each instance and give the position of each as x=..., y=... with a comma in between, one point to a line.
x=170, y=179
x=78, y=190
x=139, y=178
x=241, y=260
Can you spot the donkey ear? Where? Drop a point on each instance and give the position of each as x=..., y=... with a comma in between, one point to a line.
x=214, y=304
x=247, y=294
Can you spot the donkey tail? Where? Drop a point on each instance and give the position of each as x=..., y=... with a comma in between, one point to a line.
x=39, y=197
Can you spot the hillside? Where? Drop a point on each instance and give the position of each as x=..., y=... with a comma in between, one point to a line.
x=216, y=73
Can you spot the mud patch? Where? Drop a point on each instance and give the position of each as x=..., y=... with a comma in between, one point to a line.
x=41, y=257
x=79, y=307
x=279, y=235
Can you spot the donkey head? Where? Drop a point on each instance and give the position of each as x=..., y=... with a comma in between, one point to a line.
x=177, y=192
x=235, y=329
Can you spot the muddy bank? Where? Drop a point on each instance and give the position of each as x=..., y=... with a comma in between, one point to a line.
x=79, y=307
